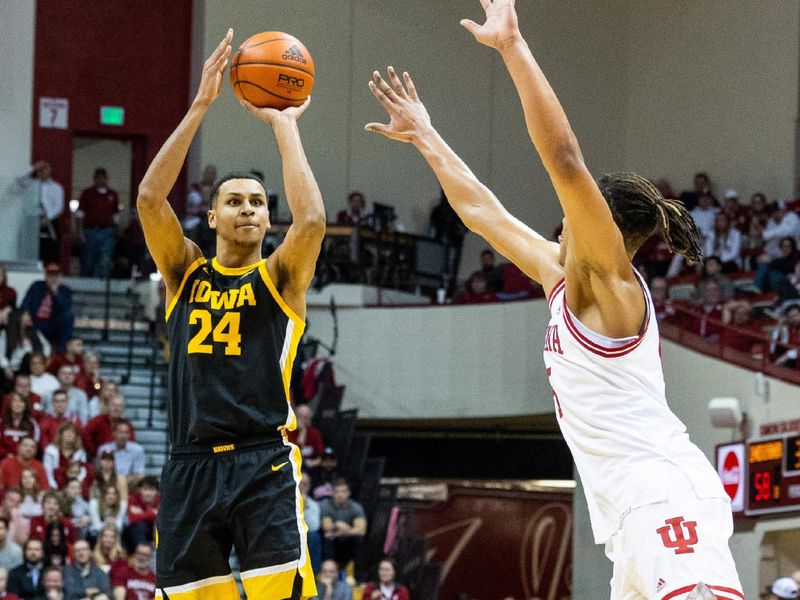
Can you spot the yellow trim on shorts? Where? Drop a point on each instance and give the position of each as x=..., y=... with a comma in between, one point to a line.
x=191, y=269
x=217, y=588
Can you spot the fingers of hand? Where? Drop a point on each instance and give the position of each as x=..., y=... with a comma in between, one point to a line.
x=396, y=83
x=378, y=93
x=485, y=4
x=470, y=26
x=226, y=42
x=222, y=60
x=376, y=127
x=412, y=90
x=384, y=86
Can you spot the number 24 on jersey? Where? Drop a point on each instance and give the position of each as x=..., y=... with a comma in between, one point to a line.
x=226, y=332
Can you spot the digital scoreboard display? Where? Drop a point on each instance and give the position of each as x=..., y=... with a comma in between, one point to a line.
x=773, y=475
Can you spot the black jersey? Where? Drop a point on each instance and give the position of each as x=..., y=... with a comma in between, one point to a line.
x=232, y=344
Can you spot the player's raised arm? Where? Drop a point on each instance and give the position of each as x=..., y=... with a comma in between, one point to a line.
x=171, y=251
x=477, y=206
x=292, y=264
x=596, y=241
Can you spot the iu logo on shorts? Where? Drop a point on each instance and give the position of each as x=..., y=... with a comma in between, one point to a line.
x=679, y=535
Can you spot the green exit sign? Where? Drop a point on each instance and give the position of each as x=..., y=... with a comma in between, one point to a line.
x=112, y=115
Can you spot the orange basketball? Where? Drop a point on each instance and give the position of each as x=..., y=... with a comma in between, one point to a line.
x=272, y=69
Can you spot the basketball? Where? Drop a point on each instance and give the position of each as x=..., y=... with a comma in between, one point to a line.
x=272, y=69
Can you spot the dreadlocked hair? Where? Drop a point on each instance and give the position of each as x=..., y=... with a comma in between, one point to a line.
x=639, y=210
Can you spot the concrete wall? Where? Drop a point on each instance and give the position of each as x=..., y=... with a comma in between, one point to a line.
x=17, y=25
x=465, y=86
x=662, y=88
x=712, y=85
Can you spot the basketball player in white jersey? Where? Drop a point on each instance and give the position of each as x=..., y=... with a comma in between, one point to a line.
x=653, y=497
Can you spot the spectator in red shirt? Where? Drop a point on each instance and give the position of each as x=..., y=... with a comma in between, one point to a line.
x=108, y=390
x=97, y=209
x=65, y=449
x=477, y=291
x=22, y=386
x=11, y=467
x=16, y=424
x=665, y=311
x=72, y=356
x=706, y=322
x=354, y=213
x=108, y=553
x=100, y=430
x=51, y=513
x=142, y=513
x=306, y=437
x=136, y=581
x=8, y=297
x=49, y=424
x=736, y=314
x=386, y=588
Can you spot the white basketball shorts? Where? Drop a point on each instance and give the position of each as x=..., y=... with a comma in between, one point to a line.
x=663, y=550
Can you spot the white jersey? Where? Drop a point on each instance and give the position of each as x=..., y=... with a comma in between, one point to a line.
x=612, y=410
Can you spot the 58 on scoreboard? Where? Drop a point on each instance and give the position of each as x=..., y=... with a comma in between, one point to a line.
x=773, y=475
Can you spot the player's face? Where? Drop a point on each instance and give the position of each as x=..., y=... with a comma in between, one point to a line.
x=240, y=213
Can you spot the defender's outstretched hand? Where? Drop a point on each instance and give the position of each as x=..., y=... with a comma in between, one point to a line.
x=270, y=115
x=213, y=69
x=501, y=27
x=408, y=119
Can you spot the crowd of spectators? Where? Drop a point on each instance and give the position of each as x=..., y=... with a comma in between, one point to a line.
x=77, y=515
x=745, y=295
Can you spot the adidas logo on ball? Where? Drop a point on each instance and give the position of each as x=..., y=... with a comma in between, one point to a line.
x=293, y=53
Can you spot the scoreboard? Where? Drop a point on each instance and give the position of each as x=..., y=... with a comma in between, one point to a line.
x=773, y=475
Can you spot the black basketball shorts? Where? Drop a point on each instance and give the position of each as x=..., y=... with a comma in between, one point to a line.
x=241, y=495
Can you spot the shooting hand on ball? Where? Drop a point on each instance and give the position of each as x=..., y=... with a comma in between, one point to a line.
x=408, y=118
x=272, y=115
x=211, y=79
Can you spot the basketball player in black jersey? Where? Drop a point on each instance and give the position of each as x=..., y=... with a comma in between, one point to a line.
x=234, y=324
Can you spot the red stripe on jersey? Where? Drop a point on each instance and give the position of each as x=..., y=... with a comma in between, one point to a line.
x=556, y=288
x=604, y=351
x=715, y=588
x=726, y=590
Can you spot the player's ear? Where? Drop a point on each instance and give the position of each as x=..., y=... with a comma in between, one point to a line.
x=212, y=218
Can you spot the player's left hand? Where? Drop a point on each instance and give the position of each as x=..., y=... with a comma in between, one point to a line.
x=272, y=115
x=501, y=27
x=408, y=118
x=213, y=70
